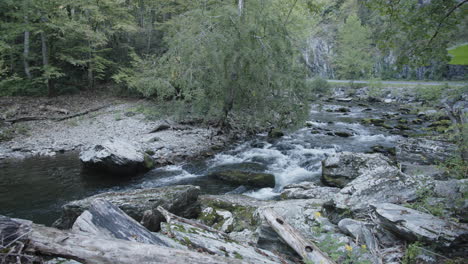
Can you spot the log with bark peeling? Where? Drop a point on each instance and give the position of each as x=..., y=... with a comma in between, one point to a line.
x=88, y=248
x=107, y=220
x=305, y=248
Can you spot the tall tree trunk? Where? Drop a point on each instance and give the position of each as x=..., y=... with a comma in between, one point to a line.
x=90, y=68
x=26, y=51
x=241, y=7
x=45, y=63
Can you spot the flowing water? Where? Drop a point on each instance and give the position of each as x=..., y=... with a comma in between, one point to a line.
x=35, y=188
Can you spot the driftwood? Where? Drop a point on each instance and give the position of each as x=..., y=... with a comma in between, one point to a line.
x=203, y=238
x=306, y=249
x=107, y=220
x=168, y=215
x=35, y=118
x=54, y=109
x=94, y=249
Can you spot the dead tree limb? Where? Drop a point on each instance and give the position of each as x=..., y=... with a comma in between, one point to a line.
x=306, y=249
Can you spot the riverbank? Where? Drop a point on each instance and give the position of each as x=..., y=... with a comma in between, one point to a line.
x=362, y=180
x=47, y=126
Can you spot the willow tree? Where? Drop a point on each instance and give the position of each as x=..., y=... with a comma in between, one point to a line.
x=232, y=62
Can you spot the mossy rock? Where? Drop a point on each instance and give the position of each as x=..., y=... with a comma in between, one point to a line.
x=417, y=121
x=387, y=126
x=149, y=162
x=402, y=127
x=373, y=121
x=403, y=121
x=247, y=178
x=243, y=215
x=441, y=123
x=275, y=133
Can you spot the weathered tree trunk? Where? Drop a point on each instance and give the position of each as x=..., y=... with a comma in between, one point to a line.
x=93, y=249
x=107, y=220
x=27, y=70
x=303, y=247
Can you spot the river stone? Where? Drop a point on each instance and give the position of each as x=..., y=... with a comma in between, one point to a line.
x=116, y=156
x=413, y=225
x=180, y=200
x=308, y=190
x=341, y=168
x=246, y=178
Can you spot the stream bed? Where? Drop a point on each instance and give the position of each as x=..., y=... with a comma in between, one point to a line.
x=35, y=188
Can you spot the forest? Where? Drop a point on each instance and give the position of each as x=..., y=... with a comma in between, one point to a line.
x=234, y=131
x=218, y=56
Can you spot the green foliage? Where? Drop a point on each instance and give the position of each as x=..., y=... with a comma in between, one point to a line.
x=459, y=55
x=423, y=202
x=318, y=86
x=412, y=252
x=376, y=88
x=417, y=33
x=430, y=93
x=354, y=55
x=7, y=134
x=220, y=63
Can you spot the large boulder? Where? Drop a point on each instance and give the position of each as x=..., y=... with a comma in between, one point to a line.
x=116, y=156
x=423, y=151
x=413, y=225
x=378, y=186
x=341, y=168
x=180, y=200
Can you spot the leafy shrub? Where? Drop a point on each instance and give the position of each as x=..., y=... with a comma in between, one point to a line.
x=376, y=88
x=430, y=93
x=318, y=85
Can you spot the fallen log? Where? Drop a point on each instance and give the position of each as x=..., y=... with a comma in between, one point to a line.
x=306, y=249
x=93, y=249
x=35, y=118
x=202, y=238
x=107, y=220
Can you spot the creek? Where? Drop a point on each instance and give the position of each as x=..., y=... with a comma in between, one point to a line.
x=35, y=188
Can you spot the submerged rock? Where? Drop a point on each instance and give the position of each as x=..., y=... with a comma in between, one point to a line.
x=343, y=134
x=413, y=225
x=341, y=168
x=180, y=200
x=117, y=157
x=247, y=178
